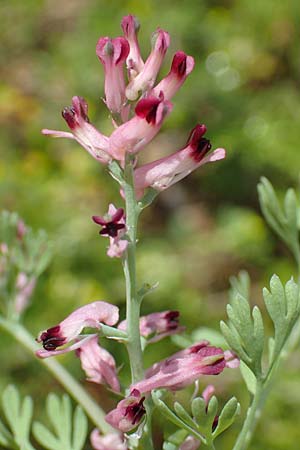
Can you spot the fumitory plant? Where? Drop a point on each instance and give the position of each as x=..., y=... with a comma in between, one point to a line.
x=138, y=106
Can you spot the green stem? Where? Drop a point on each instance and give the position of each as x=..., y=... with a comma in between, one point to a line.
x=253, y=414
x=93, y=411
x=133, y=300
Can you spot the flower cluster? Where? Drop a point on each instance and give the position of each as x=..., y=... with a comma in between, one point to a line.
x=176, y=372
x=138, y=108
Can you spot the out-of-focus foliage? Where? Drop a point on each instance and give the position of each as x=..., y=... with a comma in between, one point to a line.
x=245, y=88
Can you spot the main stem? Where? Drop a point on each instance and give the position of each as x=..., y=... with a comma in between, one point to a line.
x=93, y=411
x=253, y=414
x=133, y=302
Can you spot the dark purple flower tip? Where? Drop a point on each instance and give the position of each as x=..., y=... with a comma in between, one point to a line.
x=52, y=338
x=172, y=318
x=77, y=111
x=200, y=146
x=111, y=225
x=135, y=411
x=147, y=108
x=179, y=64
x=111, y=229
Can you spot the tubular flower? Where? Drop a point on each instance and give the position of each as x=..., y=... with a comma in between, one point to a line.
x=134, y=61
x=165, y=172
x=181, y=67
x=111, y=441
x=98, y=364
x=157, y=325
x=113, y=225
x=91, y=315
x=112, y=53
x=128, y=413
x=133, y=135
x=183, y=368
x=146, y=78
x=83, y=131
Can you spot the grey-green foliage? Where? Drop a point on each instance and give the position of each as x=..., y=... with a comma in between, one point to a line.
x=201, y=422
x=283, y=306
x=22, y=251
x=244, y=329
x=18, y=415
x=283, y=218
x=70, y=430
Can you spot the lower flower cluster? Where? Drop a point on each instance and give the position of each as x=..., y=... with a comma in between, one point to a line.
x=173, y=373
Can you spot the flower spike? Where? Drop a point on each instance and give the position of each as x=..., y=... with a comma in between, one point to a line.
x=164, y=172
x=112, y=53
x=91, y=315
x=83, y=131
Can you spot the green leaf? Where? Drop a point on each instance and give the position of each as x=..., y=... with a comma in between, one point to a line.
x=45, y=437
x=248, y=377
x=172, y=417
x=70, y=430
x=11, y=406
x=244, y=330
x=283, y=306
x=183, y=414
x=227, y=416
x=240, y=285
x=80, y=427
x=18, y=414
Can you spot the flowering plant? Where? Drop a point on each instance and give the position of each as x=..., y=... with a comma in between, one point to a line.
x=138, y=108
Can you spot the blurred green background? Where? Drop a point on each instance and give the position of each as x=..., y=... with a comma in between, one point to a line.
x=245, y=88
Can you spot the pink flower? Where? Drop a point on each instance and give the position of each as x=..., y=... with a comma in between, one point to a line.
x=182, y=65
x=183, y=368
x=134, y=61
x=147, y=76
x=98, y=364
x=113, y=225
x=91, y=315
x=128, y=413
x=164, y=172
x=24, y=289
x=133, y=135
x=112, y=53
x=157, y=325
x=111, y=441
x=83, y=131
